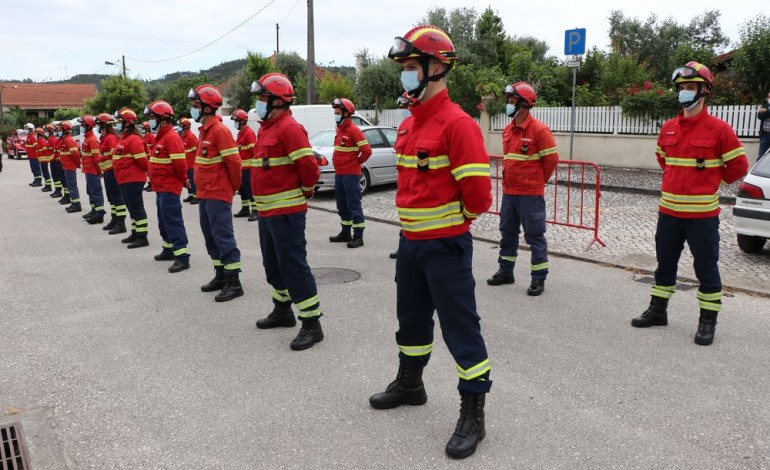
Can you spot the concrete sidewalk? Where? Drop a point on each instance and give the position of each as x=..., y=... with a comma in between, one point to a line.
x=135, y=368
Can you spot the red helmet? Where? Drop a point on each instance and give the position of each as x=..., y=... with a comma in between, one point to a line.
x=145, y=125
x=66, y=126
x=424, y=41
x=159, y=108
x=693, y=72
x=49, y=127
x=87, y=120
x=274, y=84
x=185, y=123
x=208, y=95
x=524, y=92
x=127, y=115
x=239, y=115
x=39, y=130
x=106, y=118
x=344, y=104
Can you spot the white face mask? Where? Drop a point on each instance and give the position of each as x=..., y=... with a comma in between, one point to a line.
x=261, y=109
x=119, y=126
x=153, y=124
x=688, y=99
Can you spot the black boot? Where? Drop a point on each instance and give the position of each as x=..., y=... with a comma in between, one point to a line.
x=74, y=208
x=393, y=255
x=97, y=218
x=470, y=427
x=343, y=236
x=111, y=224
x=231, y=290
x=120, y=225
x=310, y=334
x=180, y=264
x=188, y=198
x=88, y=214
x=131, y=238
x=194, y=200
x=407, y=389
x=165, y=255
x=65, y=200
x=46, y=188
x=218, y=282
x=536, y=287
x=244, y=212
x=36, y=184
x=655, y=315
x=356, y=242
x=706, y=327
x=254, y=217
x=55, y=194
x=282, y=315
x=141, y=241
x=500, y=278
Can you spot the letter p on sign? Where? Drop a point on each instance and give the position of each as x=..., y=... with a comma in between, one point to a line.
x=575, y=41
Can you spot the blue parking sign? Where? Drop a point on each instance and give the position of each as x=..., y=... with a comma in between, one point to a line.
x=575, y=41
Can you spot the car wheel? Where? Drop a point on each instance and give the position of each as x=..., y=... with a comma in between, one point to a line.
x=751, y=244
x=365, y=182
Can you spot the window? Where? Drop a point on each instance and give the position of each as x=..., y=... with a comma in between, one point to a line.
x=374, y=138
x=391, y=135
x=323, y=139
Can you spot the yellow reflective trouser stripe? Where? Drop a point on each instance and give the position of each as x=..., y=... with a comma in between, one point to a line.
x=473, y=372
x=511, y=259
x=233, y=266
x=141, y=226
x=539, y=267
x=160, y=161
x=429, y=213
x=228, y=151
x=167, y=245
x=710, y=297
x=414, y=351
x=713, y=306
x=361, y=225
x=272, y=161
x=209, y=161
x=411, y=161
x=521, y=157
x=121, y=210
x=216, y=263
x=303, y=152
x=664, y=292
x=307, y=302
x=180, y=252
x=471, y=169
x=309, y=308
x=691, y=162
x=452, y=220
x=347, y=222
x=726, y=157
x=99, y=208
x=281, y=295
x=345, y=149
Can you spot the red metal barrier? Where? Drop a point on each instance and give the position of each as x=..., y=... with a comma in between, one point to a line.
x=569, y=213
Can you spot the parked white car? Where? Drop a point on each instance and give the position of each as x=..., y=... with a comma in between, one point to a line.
x=751, y=213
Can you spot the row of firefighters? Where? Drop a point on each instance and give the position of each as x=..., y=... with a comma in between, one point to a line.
x=444, y=184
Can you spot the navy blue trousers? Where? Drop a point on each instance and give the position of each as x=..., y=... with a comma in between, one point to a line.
x=216, y=219
x=71, y=177
x=527, y=212
x=57, y=173
x=191, y=178
x=44, y=169
x=702, y=236
x=171, y=224
x=245, y=190
x=34, y=166
x=284, y=257
x=347, y=192
x=436, y=275
x=764, y=144
x=94, y=191
x=114, y=195
x=133, y=195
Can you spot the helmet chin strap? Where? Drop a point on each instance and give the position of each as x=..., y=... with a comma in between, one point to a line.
x=688, y=105
x=420, y=90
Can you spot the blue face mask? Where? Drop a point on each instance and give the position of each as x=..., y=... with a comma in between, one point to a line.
x=261, y=108
x=409, y=80
x=405, y=113
x=338, y=118
x=688, y=99
x=47, y=134
x=60, y=134
x=118, y=126
x=82, y=130
x=195, y=113
x=153, y=124
x=511, y=109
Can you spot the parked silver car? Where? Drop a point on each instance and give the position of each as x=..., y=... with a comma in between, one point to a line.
x=379, y=169
x=751, y=213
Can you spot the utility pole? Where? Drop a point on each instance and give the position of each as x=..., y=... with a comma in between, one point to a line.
x=310, y=54
x=124, y=66
x=277, y=49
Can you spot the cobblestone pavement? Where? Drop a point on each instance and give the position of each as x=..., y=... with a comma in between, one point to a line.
x=627, y=214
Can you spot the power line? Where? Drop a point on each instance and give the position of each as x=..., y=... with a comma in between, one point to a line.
x=289, y=14
x=207, y=45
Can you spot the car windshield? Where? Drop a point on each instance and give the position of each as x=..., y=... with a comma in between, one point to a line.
x=323, y=139
x=762, y=168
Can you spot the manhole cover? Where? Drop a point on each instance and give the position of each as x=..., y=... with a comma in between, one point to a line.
x=326, y=276
x=13, y=455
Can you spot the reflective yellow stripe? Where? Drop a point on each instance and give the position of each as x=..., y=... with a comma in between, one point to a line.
x=307, y=303
x=427, y=213
x=415, y=351
x=469, y=215
x=471, y=169
x=361, y=143
x=105, y=165
x=272, y=161
x=246, y=147
x=539, y=267
x=281, y=295
x=278, y=196
x=233, y=266
x=710, y=297
x=521, y=157
x=714, y=307
x=139, y=155
x=511, y=259
x=665, y=292
x=689, y=207
x=176, y=156
x=423, y=226
x=297, y=154
x=692, y=163
x=733, y=154
x=434, y=163
x=689, y=198
x=229, y=151
x=160, y=161
x=180, y=252
x=548, y=151
x=473, y=372
x=346, y=149
x=216, y=263
x=268, y=206
x=209, y=161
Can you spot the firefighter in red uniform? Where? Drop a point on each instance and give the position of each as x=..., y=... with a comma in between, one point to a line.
x=217, y=177
x=108, y=141
x=168, y=175
x=129, y=161
x=70, y=162
x=351, y=150
x=149, y=141
x=32, y=146
x=190, y=144
x=44, y=157
x=283, y=178
x=530, y=159
x=696, y=152
x=57, y=174
x=91, y=154
x=246, y=141
x=443, y=185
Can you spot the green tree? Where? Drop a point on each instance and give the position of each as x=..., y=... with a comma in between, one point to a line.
x=67, y=114
x=379, y=85
x=239, y=90
x=291, y=65
x=489, y=45
x=752, y=59
x=176, y=94
x=258, y=65
x=118, y=92
x=335, y=86
x=300, y=89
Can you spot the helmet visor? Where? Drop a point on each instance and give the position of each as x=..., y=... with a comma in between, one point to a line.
x=685, y=73
x=257, y=88
x=193, y=95
x=337, y=103
x=510, y=90
x=402, y=49
x=147, y=111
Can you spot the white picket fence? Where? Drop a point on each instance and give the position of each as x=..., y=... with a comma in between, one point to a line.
x=598, y=120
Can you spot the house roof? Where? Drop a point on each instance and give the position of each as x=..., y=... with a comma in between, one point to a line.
x=46, y=95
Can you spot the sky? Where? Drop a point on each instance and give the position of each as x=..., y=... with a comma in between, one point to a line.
x=55, y=39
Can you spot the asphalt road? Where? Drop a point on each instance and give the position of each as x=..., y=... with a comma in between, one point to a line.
x=131, y=367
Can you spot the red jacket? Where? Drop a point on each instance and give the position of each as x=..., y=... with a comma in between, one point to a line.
x=696, y=155
x=217, y=164
x=351, y=150
x=44, y=153
x=247, y=141
x=530, y=157
x=168, y=168
x=443, y=170
x=68, y=153
x=130, y=160
x=91, y=154
x=149, y=140
x=285, y=170
x=107, y=145
x=53, y=145
x=190, y=143
x=31, y=146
